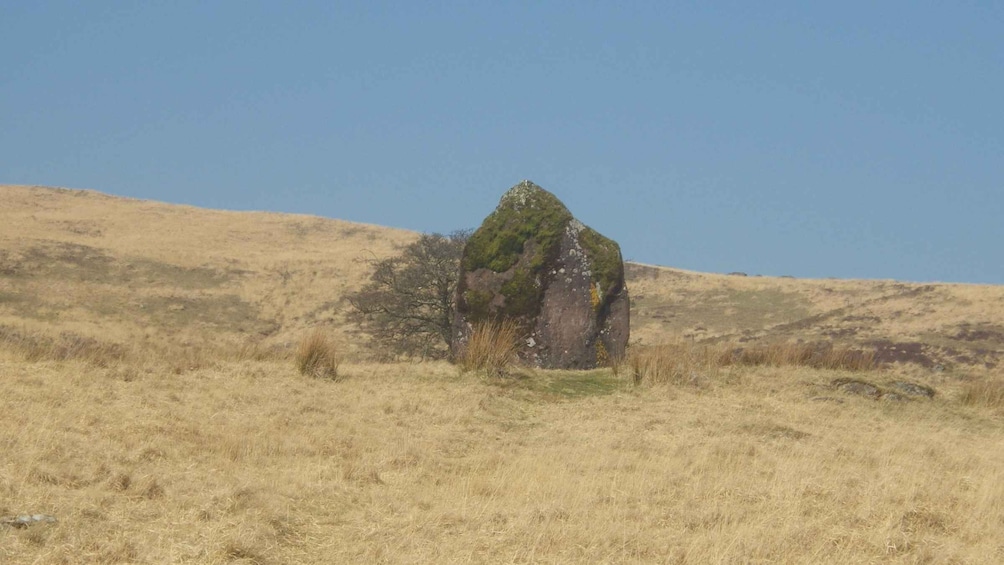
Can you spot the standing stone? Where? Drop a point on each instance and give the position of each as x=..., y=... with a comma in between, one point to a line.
x=562, y=282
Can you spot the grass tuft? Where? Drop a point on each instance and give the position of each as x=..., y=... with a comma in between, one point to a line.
x=318, y=356
x=491, y=350
x=672, y=363
x=985, y=392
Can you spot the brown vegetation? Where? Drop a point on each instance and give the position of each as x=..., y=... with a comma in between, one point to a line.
x=171, y=280
x=908, y=323
x=318, y=356
x=685, y=361
x=66, y=346
x=985, y=392
x=251, y=462
x=491, y=349
x=165, y=278
x=407, y=304
x=151, y=401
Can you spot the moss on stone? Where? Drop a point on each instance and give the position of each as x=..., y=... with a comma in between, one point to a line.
x=520, y=238
x=526, y=211
x=523, y=296
x=605, y=256
x=478, y=304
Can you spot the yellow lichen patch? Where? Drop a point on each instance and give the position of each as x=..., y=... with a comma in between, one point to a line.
x=602, y=357
x=594, y=296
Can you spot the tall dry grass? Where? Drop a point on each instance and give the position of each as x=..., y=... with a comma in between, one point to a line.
x=687, y=362
x=318, y=356
x=787, y=354
x=491, y=348
x=36, y=346
x=255, y=350
x=986, y=391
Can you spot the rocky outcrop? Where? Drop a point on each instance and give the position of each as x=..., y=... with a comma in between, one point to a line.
x=532, y=262
x=903, y=392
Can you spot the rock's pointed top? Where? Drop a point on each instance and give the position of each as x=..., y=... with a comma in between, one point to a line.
x=528, y=194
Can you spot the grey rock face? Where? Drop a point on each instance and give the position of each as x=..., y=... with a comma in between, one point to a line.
x=913, y=389
x=861, y=388
x=562, y=282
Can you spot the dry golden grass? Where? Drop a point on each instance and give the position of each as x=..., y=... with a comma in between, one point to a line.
x=150, y=400
x=251, y=462
x=318, y=356
x=167, y=277
x=816, y=355
x=951, y=324
x=491, y=348
x=683, y=361
x=986, y=392
x=178, y=281
x=38, y=346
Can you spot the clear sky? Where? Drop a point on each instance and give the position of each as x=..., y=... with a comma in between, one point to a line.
x=839, y=139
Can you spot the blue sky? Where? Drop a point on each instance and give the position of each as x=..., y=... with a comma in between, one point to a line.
x=841, y=139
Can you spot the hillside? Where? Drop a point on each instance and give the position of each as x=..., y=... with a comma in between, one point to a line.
x=922, y=324
x=195, y=449
x=125, y=271
x=113, y=270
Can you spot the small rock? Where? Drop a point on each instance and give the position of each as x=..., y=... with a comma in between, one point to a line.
x=25, y=520
x=913, y=389
x=861, y=388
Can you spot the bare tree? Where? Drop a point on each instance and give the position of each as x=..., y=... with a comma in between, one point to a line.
x=407, y=306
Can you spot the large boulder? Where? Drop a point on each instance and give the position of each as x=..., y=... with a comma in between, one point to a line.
x=562, y=282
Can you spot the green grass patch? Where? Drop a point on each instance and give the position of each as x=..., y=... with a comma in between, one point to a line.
x=562, y=385
x=578, y=384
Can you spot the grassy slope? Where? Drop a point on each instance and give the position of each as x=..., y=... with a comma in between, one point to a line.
x=249, y=462
x=129, y=271
x=955, y=325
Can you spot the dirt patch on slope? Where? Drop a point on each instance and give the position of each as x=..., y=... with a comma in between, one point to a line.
x=84, y=263
x=932, y=356
x=980, y=332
